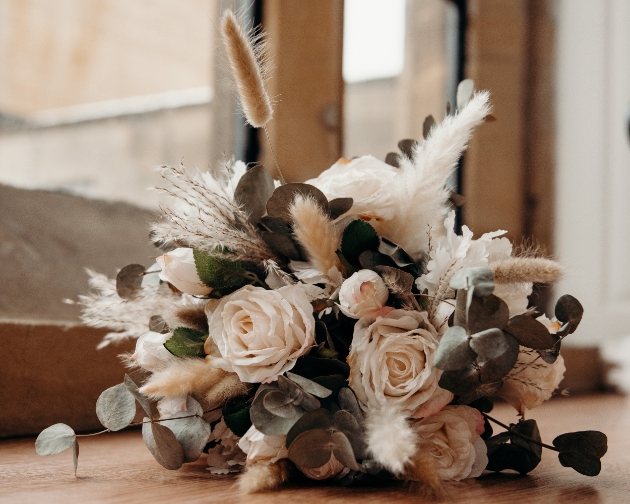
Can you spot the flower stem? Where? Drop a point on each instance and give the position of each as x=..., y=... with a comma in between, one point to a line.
x=512, y=431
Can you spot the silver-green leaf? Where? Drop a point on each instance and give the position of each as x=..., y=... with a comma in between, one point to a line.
x=55, y=439
x=116, y=407
x=310, y=386
x=163, y=445
x=454, y=352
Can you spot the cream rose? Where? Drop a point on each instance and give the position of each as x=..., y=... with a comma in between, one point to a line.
x=391, y=364
x=260, y=333
x=452, y=438
x=150, y=352
x=225, y=456
x=361, y=179
x=262, y=448
x=364, y=293
x=178, y=268
x=531, y=381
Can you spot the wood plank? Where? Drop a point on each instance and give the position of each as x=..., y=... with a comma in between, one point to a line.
x=306, y=46
x=118, y=468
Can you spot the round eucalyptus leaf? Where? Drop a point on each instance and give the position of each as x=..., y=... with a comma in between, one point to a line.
x=568, y=310
x=407, y=146
x=55, y=439
x=486, y=313
x=191, y=432
x=509, y=456
x=146, y=404
x=281, y=245
x=158, y=324
x=116, y=407
x=346, y=423
x=129, y=280
x=267, y=422
x=252, y=192
x=343, y=452
x=279, y=203
x=480, y=278
x=454, y=352
x=591, y=443
x=279, y=404
x=489, y=344
x=588, y=466
x=163, y=445
x=348, y=402
x=494, y=369
x=311, y=449
x=530, y=333
x=315, y=419
x=310, y=386
x=339, y=206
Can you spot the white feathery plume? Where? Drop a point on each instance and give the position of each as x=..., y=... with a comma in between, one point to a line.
x=128, y=318
x=202, y=214
x=420, y=194
x=391, y=440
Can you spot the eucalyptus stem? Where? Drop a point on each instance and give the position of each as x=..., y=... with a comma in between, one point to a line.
x=512, y=431
x=93, y=433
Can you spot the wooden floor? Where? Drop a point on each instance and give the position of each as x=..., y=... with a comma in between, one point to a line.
x=118, y=468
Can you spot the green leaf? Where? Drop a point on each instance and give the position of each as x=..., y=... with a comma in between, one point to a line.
x=280, y=404
x=116, y=407
x=511, y=456
x=454, y=352
x=489, y=344
x=163, y=445
x=530, y=333
x=218, y=272
x=319, y=418
x=237, y=418
x=279, y=203
x=487, y=312
x=343, y=452
x=495, y=368
x=252, y=192
x=358, y=236
x=528, y=428
x=55, y=439
x=186, y=342
x=129, y=280
x=582, y=451
x=192, y=433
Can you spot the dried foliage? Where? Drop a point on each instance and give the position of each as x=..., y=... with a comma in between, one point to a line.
x=527, y=269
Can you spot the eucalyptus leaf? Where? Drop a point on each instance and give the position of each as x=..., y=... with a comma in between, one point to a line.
x=75, y=456
x=372, y=259
x=349, y=268
x=347, y=424
x=129, y=280
x=393, y=159
x=348, y=402
x=219, y=272
x=186, y=342
x=528, y=428
x=343, y=452
x=511, y=456
x=280, y=404
x=192, y=433
x=494, y=369
x=592, y=443
x=116, y=407
x=569, y=311
x=479, y=278
x=407, y=147
x=252, y=192
x=454, y=351
x=311, y=449
x=55, y=439
x=465, y=90
x=401, y=258
x=276, y=225
x=358, y=236
x=550, y=356
x=489, y=344
x=158, y=324
x=319, y=418
x=163, y=445
x=148, y=407
x=339, y=206
x=530, y=333
x=588, y=466
x=237, y=418
x=281, y=245
x=309, y=386
x=487, y=312
x=279, y=203
x=428, y=123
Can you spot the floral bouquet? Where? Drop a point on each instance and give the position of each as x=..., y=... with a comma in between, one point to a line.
x=337, y=329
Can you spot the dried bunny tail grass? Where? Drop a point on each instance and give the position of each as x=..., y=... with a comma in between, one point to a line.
x=391, y=440
x=260, y=477
x=202, y=214
x=189, y=313
x=420, y=196
x=316, y=233
x=427, y=482
x=183, y=377
x=247, y=58
x=526, y=269
x=128, y=318
x=228, y=387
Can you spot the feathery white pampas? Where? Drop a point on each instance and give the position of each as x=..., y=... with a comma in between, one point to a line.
x=391, y=440
x=420, y=196
x=263, y=477
x=128, y=318
x=183, y=377
x=247, y=57
x=526, y=269
x=202, y=214
x=316, y=233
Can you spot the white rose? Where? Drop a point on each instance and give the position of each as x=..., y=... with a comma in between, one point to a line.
x=531, y=381
x=226, y=456
x=364, y=293
x=262, y=448
x=361, y=179
x=178, y=268
x=168, y=406
x=150, y=352
x=391, y=364
x=452, y=438
x=260, y=333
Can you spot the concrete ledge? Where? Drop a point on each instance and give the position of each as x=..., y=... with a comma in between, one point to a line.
x=51, y=372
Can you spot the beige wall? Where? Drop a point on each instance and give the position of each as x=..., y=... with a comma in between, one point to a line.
x=55, y=53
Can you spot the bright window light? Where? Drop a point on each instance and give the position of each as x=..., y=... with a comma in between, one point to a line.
x=374, y=39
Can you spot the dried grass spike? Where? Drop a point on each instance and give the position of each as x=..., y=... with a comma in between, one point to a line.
x=246, y=59
x=422, y=471
x=263, y=477
x=526, y=269
x=183, y=377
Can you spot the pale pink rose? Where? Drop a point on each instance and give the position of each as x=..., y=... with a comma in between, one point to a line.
x=364, y=293
x=329, y=470
x=178, y=268
x=262, y=448
x=451, y=437
x=150, y=352
x=226, y=456
x=260, y=333
x=391, y=364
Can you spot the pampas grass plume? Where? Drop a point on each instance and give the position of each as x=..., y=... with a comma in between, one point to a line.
x=390, y=439
x=526, y=269
x=262, y=477
x=183, y=377
x=316, y=233
x=246, y=63
x=422, y=471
